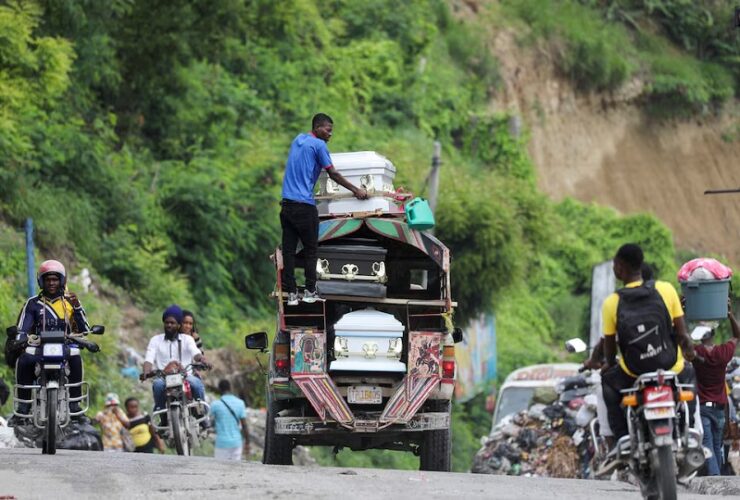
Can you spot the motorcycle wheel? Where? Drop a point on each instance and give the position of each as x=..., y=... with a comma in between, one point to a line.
x=665, y=474
x=49, y=445
x=179, y=434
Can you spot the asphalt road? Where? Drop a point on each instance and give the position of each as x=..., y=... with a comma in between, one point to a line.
x=27, y=474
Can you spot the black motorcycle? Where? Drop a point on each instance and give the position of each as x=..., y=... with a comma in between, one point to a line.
x=50, y=396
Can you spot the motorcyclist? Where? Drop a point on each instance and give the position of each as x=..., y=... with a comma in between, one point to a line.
x=627, y=264
x=172, y=346
x=51, y=310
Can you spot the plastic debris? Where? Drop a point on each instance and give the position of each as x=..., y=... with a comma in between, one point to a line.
x=534, y=443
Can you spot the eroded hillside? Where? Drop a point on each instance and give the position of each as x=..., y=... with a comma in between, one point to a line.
x=606, y=148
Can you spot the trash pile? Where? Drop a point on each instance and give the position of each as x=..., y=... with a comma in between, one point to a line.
x=534, y=442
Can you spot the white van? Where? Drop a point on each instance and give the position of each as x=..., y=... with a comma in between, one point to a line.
x=519, y=387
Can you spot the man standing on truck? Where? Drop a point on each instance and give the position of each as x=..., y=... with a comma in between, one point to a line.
x=637, y=318
x=299, y=217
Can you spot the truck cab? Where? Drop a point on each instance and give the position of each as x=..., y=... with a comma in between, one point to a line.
x=371, y=365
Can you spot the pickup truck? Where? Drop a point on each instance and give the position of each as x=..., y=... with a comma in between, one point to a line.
x=371, y=365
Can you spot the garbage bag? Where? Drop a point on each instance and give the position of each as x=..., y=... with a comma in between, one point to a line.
x=527, y=439
x=81, y=436
x=554, y=411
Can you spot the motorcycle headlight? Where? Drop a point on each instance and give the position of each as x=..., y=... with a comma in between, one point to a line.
x=53, y=350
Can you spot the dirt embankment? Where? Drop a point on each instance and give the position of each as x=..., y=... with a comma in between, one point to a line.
x=606, y=149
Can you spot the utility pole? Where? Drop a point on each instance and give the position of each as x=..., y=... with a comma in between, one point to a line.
x=434, y=176
x=30, y=265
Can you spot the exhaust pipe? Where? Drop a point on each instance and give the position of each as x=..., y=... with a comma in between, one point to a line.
x=692, y=460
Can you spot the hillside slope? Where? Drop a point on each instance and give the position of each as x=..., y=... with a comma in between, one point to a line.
x=605, y=148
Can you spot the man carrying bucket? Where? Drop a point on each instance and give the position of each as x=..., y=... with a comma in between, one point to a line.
x=299, y=217
x=710, y=365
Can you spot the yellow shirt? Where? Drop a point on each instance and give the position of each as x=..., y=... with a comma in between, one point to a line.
x=672, y=302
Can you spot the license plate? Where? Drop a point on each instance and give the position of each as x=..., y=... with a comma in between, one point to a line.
x=173, y=380
x=658, y=413
x=364, y=394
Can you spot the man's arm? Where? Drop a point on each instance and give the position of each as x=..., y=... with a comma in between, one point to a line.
x=79, y=317
x=360, y=193
x=734, y=326
x=683, y=339
x=26, y=319
x=597, y=356
x=610, y=350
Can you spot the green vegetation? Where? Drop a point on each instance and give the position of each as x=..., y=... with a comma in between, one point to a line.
x=147, y=140
x=687, y=53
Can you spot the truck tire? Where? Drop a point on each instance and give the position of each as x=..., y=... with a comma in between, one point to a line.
x=436, y=450
x=278, y=449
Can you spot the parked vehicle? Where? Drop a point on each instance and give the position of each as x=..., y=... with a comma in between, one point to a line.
x=50, y=397
x=372, y=365
x=183, y=414
x=519, y=388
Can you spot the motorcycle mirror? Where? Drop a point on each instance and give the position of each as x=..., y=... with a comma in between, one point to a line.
x=11, y=331
x=98, y=330
x=457, y=335
x=256, y=340
x=576, y=345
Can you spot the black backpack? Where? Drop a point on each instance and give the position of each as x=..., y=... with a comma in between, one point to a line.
x=645, y=329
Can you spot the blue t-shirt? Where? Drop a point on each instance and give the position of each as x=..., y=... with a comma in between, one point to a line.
x=308, y=156
x=228, y=429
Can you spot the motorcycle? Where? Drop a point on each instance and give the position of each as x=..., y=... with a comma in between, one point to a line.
x=50, y=396
x=661, y=448
x=184, y=414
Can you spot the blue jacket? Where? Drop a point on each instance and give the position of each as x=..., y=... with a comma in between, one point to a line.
x=41, y=313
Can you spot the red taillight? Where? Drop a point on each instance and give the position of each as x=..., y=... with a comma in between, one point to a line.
x=661, y=430
x=448, y=369
x=282, y=364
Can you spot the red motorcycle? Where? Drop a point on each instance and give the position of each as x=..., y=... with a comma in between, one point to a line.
x=661, y=447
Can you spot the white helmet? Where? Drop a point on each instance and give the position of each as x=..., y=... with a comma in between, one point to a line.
x=49, y=267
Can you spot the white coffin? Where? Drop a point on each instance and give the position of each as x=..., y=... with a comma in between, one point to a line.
x=368, y=335
x=366, y=169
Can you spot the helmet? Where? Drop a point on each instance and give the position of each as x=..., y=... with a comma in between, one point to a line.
x=51, y=266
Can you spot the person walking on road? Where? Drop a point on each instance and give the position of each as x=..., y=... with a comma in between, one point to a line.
x=299, y=217
x=229, y=416
x=710, y=365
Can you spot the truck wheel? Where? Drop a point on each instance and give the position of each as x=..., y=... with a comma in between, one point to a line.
x=435, y=452
x=278, y=448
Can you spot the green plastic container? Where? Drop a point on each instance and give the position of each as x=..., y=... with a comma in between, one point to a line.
x=706, y=300
x=419, y=215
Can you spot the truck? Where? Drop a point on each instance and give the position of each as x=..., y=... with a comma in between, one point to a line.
x=372, y=364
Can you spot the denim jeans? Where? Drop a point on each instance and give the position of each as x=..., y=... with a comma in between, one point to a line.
x=713, y=421
x=160, y=393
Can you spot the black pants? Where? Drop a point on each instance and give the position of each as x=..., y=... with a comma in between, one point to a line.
x=300, y=221
x=615, y=380
x=25, y=374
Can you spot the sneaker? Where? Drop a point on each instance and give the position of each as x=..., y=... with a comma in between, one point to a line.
x=292, y=299
x=310, y=297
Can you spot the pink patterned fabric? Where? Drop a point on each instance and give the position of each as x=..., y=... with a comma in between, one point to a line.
x=719, y=270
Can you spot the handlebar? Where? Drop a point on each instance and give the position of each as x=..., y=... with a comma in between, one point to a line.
x=161, y=373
